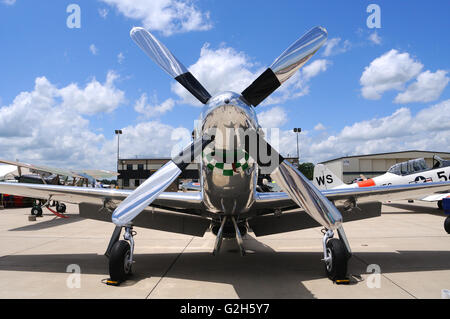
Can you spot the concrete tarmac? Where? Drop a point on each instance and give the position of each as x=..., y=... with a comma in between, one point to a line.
x=407, y=244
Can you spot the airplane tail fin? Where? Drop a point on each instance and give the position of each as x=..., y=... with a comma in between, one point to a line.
x=324, y=178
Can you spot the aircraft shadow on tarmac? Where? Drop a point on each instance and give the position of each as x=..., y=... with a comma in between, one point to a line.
x=56, y=221
x=413, y=208
x=263, y=273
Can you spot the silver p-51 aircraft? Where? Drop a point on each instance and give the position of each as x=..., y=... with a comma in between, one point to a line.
x=231, y=149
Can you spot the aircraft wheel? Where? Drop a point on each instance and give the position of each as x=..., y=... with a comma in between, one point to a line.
x=440, y=206
x=447, y=224
x=336, y=267
x=119, y=263
x=61, y=208
x=36, y=211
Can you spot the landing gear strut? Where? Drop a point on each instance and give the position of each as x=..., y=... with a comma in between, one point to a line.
x=336, y=256
x=120, y=253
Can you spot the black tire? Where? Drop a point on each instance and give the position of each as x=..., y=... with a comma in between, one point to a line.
x=119, y=269
x=36, y=211
x=61, y=208
x=440, y=206
x=447, y=224
x=337, y=268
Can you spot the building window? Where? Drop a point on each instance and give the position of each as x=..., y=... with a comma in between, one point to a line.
x=126, y=182
x=129, y=167
x=136, y=182
x=140, y=167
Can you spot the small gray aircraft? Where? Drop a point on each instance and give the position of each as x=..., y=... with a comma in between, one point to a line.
x=229, y=144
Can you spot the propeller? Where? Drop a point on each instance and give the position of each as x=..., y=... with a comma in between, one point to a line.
x=146, y=193
x=285, y=66
x=293, y=182
x=168, y=62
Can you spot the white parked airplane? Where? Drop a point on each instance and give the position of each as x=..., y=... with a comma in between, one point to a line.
x=230, y=147
x=414, y=171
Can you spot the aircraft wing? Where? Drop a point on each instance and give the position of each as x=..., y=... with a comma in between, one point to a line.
x=280, y=200
x=100, y=174
x=51, y=170
x=77, y=195
x=435, y=197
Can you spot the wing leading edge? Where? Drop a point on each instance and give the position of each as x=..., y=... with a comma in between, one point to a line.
x=77, y=195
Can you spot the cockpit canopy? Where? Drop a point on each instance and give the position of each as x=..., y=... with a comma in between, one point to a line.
x=439, y=162
x=417, y=165
x=409, y=167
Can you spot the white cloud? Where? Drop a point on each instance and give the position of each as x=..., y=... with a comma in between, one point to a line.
x=429, y=129
x=219, y=70
x=334, y=46
x=298, y=84
x=166, y=16
x=319, y=127
x=164, y=140
x=93, y=49
x=103, y=12
x=120, y=58
x=314, y=68
x=427, y=87
x=37, y=128
x=389, y=72
x=44, y=126
x=375, y=38
x=273, y=118
x=95, y=97
x=143, y=107
x=9, y=2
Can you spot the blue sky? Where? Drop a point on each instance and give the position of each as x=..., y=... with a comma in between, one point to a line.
x=64, y=91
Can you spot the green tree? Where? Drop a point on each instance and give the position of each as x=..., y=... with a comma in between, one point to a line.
x=307, y=169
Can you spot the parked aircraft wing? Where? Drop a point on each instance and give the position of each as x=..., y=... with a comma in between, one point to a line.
x=435, y=197
x=51, y=170
x=99, y=174
x=278, y=200
x=77, y=195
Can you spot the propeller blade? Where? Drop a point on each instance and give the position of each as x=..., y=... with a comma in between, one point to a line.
x=285, y=66
x=294, y=183
x=168, y=62
x=146, y=193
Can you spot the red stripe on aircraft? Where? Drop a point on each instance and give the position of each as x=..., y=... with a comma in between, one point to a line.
x=367, y=183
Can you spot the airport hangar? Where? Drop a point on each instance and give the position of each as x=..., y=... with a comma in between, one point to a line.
x=351, y=167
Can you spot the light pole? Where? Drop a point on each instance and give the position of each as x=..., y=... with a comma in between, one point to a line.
x=118, y=133
x=298, y=130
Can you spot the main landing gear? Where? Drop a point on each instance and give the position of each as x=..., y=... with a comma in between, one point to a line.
x=120, y=254
x=36, y=210
x=336, y=255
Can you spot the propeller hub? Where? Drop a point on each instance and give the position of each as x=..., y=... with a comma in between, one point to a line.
x=227, y=111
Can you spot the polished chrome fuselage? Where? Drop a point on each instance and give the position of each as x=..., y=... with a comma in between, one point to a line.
x=224, y=115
